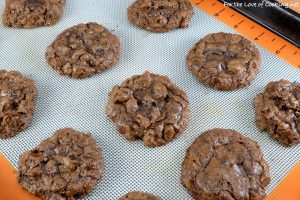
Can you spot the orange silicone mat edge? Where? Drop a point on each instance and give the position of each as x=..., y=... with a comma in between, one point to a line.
x=253, y=31
x=289, y=187
x=9, y=186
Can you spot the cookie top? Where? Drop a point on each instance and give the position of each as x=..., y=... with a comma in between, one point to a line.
x=17, y=102
x=83, y=50
x=278, y=111
x=32, y=13
x=224, y=61
x=139, y=196
x=160, y=15
x=221, y=164
x=149, y=107
x=64, y=166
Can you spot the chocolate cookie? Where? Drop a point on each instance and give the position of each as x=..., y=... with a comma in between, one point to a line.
x=221, y=164
x=32, y=13
x=278, y=111
x=17, y=102
x=83, y=50
x=139, y=196
x=224, y=61
x=160, y=15
x=149, y=107
x=64, y=166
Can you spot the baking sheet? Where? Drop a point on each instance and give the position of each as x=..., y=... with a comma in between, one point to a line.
x=280, y=20
x=64, y=102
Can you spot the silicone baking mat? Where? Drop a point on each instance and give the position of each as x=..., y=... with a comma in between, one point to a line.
x=64, y=102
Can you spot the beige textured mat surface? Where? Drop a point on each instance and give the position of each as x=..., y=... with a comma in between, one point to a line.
x=64, y=102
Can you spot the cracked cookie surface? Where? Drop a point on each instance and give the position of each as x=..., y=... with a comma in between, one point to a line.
x=83, y=50
x=17, y=102
x=160, y=15
x=139, y=196
x=221, y=164
x=224, y=61
x=64, y=166
x=32, y=13
x=149, y=107
x=278, y=111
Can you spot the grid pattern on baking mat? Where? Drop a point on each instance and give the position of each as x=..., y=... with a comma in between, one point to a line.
x=64, y=102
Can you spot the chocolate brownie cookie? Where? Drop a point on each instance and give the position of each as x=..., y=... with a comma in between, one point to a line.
x=278, y=111
x=160, y=15
x=83, y=50
x=64, y=166
x=221, y=164
x=32, y=13
x=149, y=107
x=17, y=102
x=224, y=61
x=139, y=196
